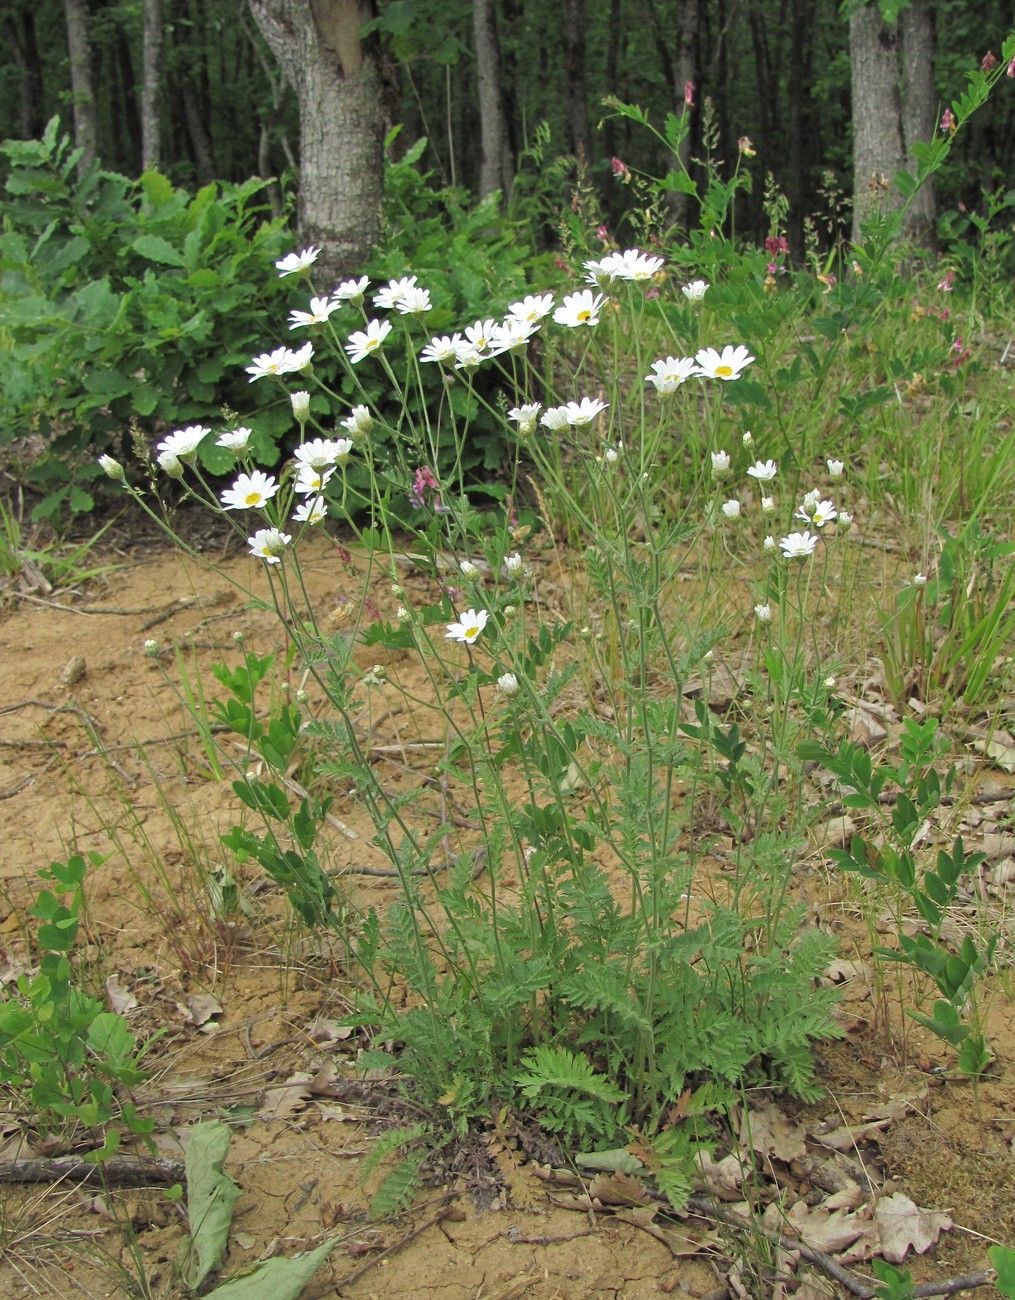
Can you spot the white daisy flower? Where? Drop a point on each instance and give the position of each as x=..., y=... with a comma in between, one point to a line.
x=363, y=343
x=585, y=411
x=578, y=309
x=726, y=365
x=798, y=546
x=525, y=416
x=670, y=374
x=295, y=263
x=468, y=627
x=236, y=440
x=443, y=349
x=311, y=511
x=352, y=291
x=250, y=491
x=764, y=470
x=554, y=418
x=269, y=544
x=394, y=292
x=532, y=308
x=183, y=443
x=320, y=310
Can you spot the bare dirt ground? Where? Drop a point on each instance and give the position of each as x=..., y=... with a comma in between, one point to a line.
x=93, y=738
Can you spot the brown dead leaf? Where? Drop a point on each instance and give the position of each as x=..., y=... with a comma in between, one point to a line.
x=842, y=971
x=771, y=1133
x=897, y=1107
x=723, y=1179
x=328, y=1033
x=834, y=833
x=865, y=729
x=680, y=1242
x=998, y=844
x=903, y=1226
x=997, y=746
x=827, y=1231
x=199, y=1008
x=848, y=1137
x=618, y=1189
x=285, y=1099
x=121, y=1000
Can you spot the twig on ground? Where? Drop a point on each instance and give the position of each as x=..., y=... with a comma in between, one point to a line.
x=407, y=1240
x=125, y=1171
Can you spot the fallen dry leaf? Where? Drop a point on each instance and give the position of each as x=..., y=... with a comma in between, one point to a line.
x=680, y=1242
x=199, y=1008
x=771, y=1133
x=618, y=1189
x=121, y=1000
x=826, y=1231
x=723, y=1179
x=285, y=1099
x=903, y=1226
x=847, y=1137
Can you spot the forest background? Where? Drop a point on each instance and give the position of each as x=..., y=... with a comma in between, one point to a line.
x=161, y=153
x=509, y=95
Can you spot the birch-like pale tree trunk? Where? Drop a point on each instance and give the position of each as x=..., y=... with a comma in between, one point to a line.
x=337, y=84
x=496, y=168
x=82, y=79
x=151, y=85
x=893, y=107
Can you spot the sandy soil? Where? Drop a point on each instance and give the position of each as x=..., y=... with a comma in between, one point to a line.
x=98, y=754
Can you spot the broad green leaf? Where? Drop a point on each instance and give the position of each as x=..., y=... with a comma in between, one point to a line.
x=156, y=249
x=276, y=1279
x=1003, y=1260
x=211, y=1195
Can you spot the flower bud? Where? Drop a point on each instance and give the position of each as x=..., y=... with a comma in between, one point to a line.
x=170, y=464
x=112, y=469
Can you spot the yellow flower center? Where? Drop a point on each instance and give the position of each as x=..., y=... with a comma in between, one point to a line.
x=724, y=371
x=371, y=344
x=584, y=316
x=471, y=633
x=252, y=499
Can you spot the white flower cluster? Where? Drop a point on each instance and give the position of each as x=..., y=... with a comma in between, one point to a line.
x=669, y=374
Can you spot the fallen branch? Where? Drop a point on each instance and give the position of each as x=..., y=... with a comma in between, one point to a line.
x=125, y=1171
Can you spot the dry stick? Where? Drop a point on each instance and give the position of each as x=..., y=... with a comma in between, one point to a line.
x=125, y=1171
x=55, y=708
x=407, y=1240
x=853, y=1284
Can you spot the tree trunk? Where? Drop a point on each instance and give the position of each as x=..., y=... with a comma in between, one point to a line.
x=799, y=120
x=20, y=30
x=496, y=167
x=576, y=98
x=878, y=146
x=919, y=113
x=79, y=50
x=612, y=79
x=685, y=72
x=335, y=78
x=151, y=85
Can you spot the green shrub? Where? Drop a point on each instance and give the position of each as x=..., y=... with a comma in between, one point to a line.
x=123, y=300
